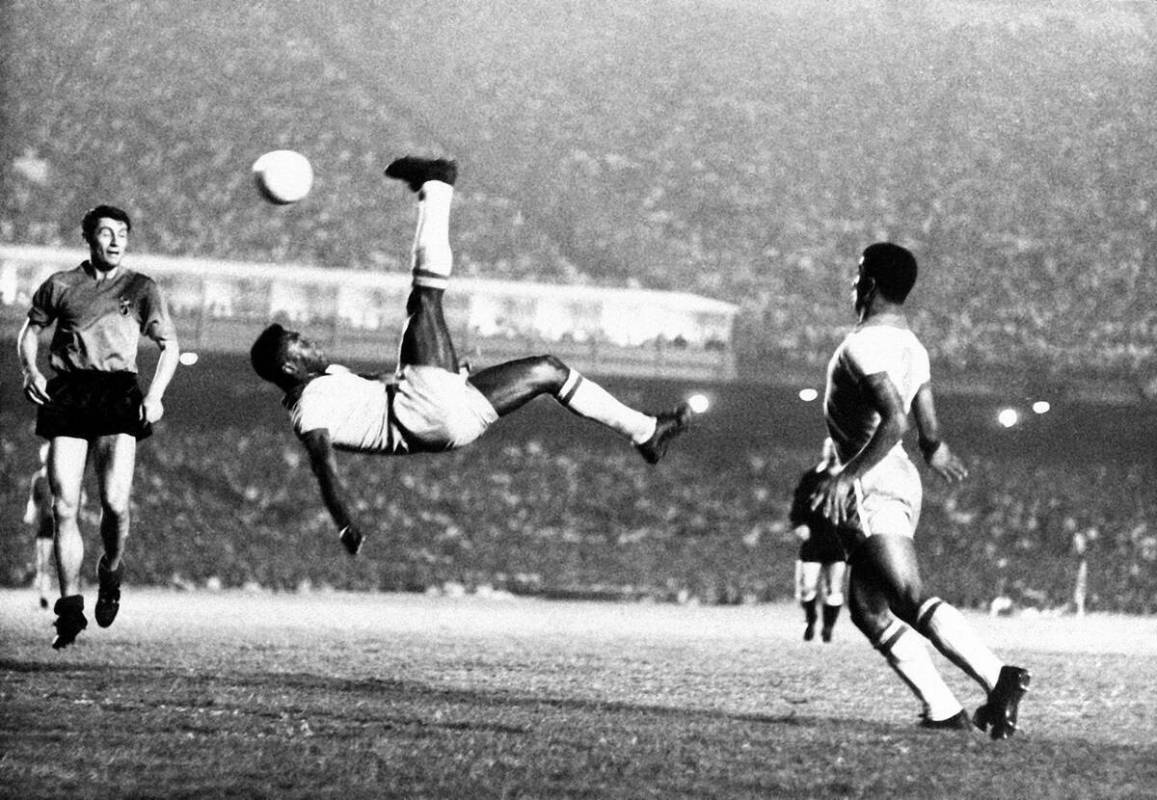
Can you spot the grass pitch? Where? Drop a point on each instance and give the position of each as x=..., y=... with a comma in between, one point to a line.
x=346, y=695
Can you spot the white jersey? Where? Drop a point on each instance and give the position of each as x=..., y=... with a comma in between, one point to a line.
x=870, y=349
x=426, y=409
x=354, y=409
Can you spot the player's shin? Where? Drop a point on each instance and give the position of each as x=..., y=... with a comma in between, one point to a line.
x=951, y=634
x=432, y=256
x=587, y=399
x=907, y=655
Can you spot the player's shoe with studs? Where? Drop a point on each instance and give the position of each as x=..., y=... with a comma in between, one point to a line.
x=957, y=722
x=998, y=716
x=668, y=426
x=70, y=620
x=108, y=598
x=415, y=170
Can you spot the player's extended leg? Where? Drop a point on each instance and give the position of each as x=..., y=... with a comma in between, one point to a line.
x=807, y=580
x=66, y=462
x=832, y=575
x=511, y=385
x=881, y=575
x=115, y=463
x=426, y=338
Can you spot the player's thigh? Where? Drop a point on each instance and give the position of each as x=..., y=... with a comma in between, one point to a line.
x=116, y=458
x=887, y=565
x=511, y=385
x=67, y=457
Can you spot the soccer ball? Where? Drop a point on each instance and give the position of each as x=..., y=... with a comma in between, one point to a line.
x=283, y=176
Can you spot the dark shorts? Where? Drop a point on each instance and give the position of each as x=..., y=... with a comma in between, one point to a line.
x=88, y=404
x=823, y=547
x=46, y=529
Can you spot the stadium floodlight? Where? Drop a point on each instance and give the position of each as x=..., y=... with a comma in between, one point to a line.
x=808, y=395
x=1041, y=407
x=188, y=359
x=1008, y=417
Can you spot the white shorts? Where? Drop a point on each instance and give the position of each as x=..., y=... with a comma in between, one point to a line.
x=889, y=498
x=439, y=410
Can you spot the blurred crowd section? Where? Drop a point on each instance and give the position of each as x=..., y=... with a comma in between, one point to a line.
x=742, y=151
x=557, y=513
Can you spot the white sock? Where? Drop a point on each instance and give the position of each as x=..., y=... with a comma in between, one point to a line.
x=587, y=399
x=951, y=634
x=907, y=655
x=431, y=254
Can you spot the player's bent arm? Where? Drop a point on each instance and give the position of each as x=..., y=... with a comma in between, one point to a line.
x=936, y=452
x=321, y=459
x=28, y=348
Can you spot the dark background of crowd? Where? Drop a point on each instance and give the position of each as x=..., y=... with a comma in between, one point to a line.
x=549, y=504
x=745, y=151
x=740, y=150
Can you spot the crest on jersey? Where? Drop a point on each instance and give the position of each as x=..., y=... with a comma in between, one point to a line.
x=126, y=305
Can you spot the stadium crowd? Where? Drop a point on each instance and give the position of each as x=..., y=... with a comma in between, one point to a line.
x=722, y=151
x=575, y=516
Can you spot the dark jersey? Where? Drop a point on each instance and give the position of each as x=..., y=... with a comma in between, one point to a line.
x=824, y=544
x=99, y=323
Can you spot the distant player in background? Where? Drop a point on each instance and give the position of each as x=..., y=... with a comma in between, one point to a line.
x=93, y=406
x=877, y=376
x=38, y=514
x=821, y=554
x=430, y=404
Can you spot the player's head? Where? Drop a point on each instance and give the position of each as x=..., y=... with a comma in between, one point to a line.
x=887, y=270
x=106, y=230
x=285, y=357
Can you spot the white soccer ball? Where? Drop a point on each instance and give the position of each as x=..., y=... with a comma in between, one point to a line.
x=283, y=176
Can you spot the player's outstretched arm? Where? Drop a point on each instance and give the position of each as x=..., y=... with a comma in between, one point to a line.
x=937, y=455
x=319, y=446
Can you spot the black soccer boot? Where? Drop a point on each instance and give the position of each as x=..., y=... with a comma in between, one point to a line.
x=669, y=425
x=70, y=620
x=998, y=716
x=108, y=598
x=415, y=170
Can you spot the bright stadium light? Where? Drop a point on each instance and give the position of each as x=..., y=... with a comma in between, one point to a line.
x=808, y=395
x=1041, y=407
x=699, y=403
x=1008, y=417
x=188, y=359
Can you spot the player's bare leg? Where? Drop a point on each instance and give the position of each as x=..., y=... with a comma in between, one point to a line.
x=883, y=579
x=807, y=578
x=115, y=463
x=833, y=581
x=66, y=462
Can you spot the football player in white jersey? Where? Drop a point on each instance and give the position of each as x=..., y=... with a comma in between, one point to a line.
x=878, y=376
x=429, y=404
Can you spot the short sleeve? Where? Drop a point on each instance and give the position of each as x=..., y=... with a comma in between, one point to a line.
x=154, y=311
x=45, y=303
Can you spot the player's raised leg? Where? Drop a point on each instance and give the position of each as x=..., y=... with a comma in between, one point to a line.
x=426, y=338
x=66, y=461
x=511, y=385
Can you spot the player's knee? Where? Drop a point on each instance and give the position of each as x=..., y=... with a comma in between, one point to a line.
x=549, y=370
x=64, y=510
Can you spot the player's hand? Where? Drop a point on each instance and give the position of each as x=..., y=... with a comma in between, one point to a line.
x=945, y=464
x=802, y=532
x=832, y=496
x=152, y=409
x=36, y=388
